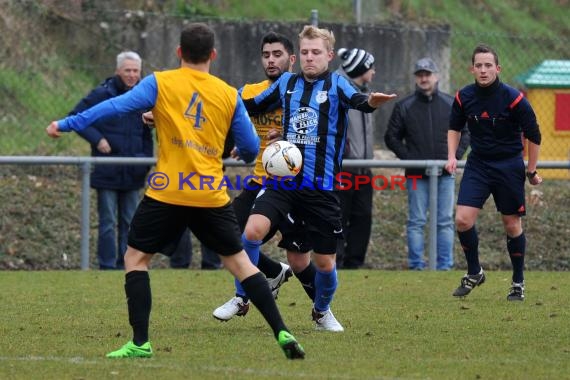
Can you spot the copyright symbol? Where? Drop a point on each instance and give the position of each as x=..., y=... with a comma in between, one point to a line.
x=158, y=181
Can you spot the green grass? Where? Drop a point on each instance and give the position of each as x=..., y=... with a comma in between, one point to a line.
x=404, y=325
x=32, y=100
x=292, y=10
x=524, y=33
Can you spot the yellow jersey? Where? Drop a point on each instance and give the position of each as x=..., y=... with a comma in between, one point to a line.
x=263, y=123
x=193, y=113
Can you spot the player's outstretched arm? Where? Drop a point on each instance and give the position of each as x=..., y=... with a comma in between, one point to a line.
x=376, y=99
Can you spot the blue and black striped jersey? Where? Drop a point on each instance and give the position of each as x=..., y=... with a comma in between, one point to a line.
x=314, y=119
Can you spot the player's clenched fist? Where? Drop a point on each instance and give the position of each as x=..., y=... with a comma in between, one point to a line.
x=53, y=130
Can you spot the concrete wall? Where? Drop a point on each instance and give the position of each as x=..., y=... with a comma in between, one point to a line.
x=155, y=37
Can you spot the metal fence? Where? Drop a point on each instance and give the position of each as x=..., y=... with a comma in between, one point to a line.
x=85, y=164
x=37, y=88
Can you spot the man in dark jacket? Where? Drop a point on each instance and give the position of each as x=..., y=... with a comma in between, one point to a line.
x=357, y=65
x=417, y=130
x=117, y=185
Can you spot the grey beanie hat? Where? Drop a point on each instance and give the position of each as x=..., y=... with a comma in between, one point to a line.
x=355, y=62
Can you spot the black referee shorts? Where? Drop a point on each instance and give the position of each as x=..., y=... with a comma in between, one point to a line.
x=504, y=179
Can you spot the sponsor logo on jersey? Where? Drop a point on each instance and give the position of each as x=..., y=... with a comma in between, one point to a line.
x=321, y=97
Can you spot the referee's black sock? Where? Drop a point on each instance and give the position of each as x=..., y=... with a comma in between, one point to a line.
x=307, y=279
x=470, y=244
x=139, y=301
x=257, y=289
x=517, y=247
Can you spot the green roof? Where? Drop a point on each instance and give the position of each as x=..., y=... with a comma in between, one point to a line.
x=549, y=74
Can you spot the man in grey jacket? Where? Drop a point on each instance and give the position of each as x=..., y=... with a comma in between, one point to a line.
x=417, y=130
x=358, y=67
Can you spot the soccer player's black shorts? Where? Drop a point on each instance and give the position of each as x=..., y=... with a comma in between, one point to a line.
x=504, y=179
x=318, y=209
x=294, y=236
x=156, y=224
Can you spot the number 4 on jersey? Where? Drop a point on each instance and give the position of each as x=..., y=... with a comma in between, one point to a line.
x=194, y=111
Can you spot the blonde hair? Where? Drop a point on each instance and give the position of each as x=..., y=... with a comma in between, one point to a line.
x=311, y=32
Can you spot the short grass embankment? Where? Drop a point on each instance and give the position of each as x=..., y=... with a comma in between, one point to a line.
x=41, y=207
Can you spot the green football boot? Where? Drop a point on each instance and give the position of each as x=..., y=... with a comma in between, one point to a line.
x=131, y=350
x=290, y=346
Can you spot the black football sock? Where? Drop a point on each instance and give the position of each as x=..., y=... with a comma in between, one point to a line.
x=307, y=279
x=257, y=289
x=139, y=301
x=268, y=266
x=517, y=247
x=470, y=244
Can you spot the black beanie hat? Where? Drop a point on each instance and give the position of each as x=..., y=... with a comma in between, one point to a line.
x=355, y=62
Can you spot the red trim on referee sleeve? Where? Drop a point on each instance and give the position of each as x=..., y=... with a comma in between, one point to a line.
x=516, y=101
x=458, y=100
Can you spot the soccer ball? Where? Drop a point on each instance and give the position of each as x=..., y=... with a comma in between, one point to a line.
x=282, y=159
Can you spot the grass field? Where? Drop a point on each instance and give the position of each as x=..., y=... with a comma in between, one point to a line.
x=399, y=325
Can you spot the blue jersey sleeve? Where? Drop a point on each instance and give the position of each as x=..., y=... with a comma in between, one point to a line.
x=246, y=139
x=98, y=95
x=141, y=98
x=268, y=100
x=351, y=98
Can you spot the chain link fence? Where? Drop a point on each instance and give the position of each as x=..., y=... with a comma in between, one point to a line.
x=36, y=88
x=540, y=68
x=40, y=205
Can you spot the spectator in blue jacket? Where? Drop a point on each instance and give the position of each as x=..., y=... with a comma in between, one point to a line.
x=118, y=186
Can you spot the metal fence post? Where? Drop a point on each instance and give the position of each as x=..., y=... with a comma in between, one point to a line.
x=433, y=171
x=357, y=11
x=85, y=199
x=314, y=17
